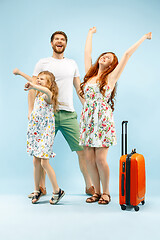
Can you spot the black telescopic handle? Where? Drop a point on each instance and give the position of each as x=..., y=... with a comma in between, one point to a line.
x=124, y=122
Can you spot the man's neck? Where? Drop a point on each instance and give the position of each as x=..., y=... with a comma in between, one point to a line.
x=57, y=55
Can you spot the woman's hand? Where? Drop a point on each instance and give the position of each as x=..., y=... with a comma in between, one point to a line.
x=93, y=30
x=28, y=86
x=149, y=35
x=16, y=71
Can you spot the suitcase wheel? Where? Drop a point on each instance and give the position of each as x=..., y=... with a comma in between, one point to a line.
x=143, y=202
x=136, y=208
x=123, y=207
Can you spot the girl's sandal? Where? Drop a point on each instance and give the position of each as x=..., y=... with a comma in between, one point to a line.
x=94, y=198
x=104, y=201
x=36, y=196
x=57, y=197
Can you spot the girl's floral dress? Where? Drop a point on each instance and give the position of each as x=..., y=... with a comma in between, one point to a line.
x=97, y=128
x=41, y=129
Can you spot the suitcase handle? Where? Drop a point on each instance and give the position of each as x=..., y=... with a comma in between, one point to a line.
x=124, y=122
x=122, y=184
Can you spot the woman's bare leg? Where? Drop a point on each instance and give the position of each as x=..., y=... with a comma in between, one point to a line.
x=103, y=169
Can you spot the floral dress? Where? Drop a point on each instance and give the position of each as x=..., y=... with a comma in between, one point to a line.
x=41, y=129
x=97, y=128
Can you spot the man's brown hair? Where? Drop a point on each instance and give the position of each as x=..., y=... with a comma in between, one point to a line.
x=59, y=32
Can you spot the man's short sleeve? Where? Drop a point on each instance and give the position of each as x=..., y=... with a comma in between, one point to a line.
x=38, y=68
x=76, y=73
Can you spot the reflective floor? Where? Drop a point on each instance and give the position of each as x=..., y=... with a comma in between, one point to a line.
x=74, y=219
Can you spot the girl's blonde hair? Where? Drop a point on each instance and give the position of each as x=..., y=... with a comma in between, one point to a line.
x=52, y=86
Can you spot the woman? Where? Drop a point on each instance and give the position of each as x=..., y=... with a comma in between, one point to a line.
x=97, y=130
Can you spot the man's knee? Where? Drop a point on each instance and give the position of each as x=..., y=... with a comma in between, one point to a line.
x=81, y=154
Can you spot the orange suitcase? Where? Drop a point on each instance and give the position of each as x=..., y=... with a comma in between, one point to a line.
x=132, y=179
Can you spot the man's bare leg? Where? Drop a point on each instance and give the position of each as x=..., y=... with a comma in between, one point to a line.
x=83, y=168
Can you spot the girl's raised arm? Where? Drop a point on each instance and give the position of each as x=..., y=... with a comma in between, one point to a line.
x=16, y=71
x=88, y=49
x=114, y=76
x=28, y=86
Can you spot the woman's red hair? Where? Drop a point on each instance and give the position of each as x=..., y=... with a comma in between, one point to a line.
x=93, y=71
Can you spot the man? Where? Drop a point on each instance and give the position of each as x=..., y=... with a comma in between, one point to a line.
x=66, y=75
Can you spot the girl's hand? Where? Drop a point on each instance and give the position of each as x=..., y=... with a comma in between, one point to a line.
x=29, y=115
x=149, y=35
x=16, y=71
x=28, y=86
x=93, y=30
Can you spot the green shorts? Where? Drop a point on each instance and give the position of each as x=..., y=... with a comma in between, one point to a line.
x=67, y=123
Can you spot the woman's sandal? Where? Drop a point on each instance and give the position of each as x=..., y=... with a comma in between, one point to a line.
x=57, y=197
x=94, y=198
x=104, y=201
x=36, y=196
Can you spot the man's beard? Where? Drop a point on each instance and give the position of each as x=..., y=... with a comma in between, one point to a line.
x=58, y=51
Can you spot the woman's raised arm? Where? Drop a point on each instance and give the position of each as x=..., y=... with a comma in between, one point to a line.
x=88, y=49
x=114, y=76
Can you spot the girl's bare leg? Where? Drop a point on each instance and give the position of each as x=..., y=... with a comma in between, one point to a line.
x=51, y=174
x=37, y=175
x=43, y=177
x=37, y=172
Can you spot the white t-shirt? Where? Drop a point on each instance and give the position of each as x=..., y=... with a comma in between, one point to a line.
x=64, y=71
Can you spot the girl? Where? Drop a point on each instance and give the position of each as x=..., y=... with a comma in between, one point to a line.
x=97, y=129
x=41, y=130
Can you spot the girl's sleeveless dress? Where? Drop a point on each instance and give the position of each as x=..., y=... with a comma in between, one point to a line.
x=97, y=128
x=41, y=129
